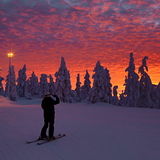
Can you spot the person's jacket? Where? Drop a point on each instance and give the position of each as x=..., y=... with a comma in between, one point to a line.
x=48, y=106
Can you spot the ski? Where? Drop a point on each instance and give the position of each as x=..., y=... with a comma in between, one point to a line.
x=32, y=141
x=35, y=141
x=56, y=137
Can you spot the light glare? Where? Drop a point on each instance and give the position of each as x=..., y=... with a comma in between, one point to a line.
x=10, y=54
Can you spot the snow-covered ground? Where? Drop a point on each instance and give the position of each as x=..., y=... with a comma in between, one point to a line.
x=93, y=132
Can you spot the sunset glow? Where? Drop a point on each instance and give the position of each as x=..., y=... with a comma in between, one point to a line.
x=83, y=32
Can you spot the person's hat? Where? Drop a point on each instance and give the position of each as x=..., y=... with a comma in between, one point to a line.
x=47, y=93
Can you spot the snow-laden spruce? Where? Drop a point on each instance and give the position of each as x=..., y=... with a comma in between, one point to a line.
x=101, y=90
x=43, y=85
x=146, y=87
x=21, y=82
x=131, y=93
x=33, y=85
x=51, y=85
x=27, y=93
x=155, y=95
x=86, y=87
x=11, y=84
x=115, y=100
x=1, y=86
x=63, y=83
x=78, y=88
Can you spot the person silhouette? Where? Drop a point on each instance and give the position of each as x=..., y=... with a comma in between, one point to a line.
x=47, y=105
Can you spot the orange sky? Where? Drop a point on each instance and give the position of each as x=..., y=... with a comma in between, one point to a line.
x=83, y=32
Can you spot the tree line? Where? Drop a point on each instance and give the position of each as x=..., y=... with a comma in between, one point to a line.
x=139, y=90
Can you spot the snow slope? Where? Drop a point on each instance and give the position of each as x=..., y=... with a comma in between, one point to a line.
x=93, y=132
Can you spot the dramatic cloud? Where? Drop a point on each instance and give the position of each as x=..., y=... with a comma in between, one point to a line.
x=82, y=31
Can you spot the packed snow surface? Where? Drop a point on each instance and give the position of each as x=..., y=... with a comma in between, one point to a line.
x=93, y=132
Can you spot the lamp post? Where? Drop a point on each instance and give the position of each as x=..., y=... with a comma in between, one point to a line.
x=10, y=55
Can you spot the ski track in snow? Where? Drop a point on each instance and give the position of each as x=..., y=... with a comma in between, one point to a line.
x=93, y=132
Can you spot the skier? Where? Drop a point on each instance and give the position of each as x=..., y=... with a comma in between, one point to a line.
x=47, y=105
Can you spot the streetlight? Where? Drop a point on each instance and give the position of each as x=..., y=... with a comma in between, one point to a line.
x=10, y=55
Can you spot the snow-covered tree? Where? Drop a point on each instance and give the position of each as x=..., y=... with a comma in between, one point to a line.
x=43, y=85
x=157, y=90
x=33, y=85
x=146, y=87
x=21, y=81
x=1, y=86
x=12, y=93
x=115, y=100
x=78, y=88
x=155, y=95
x=63, y=83
x=86, y=87
x=6, y=86
x=101, y=90
x=122, y=100
x=51, y=85
x=131, y=92
x=27, y=94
